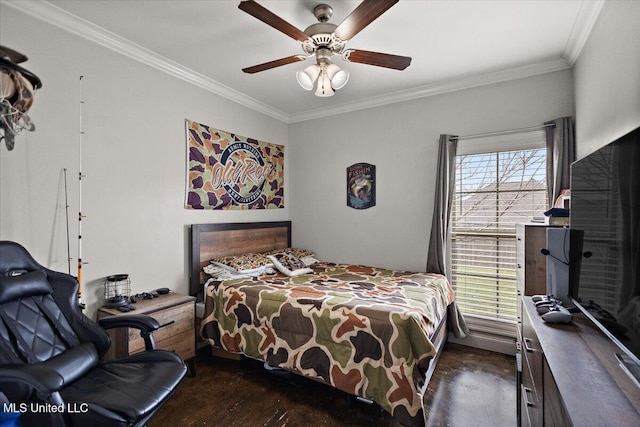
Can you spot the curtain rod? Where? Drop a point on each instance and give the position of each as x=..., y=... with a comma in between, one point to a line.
x=505, y=132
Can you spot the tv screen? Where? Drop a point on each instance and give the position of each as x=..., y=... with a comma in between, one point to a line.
x=605, y=210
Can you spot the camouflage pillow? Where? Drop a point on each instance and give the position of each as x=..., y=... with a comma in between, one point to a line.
x=243, y=262
x=289, y=264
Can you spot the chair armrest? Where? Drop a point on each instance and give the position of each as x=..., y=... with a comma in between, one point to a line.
x=43, y=381
x=137, y=321
x=146, y=325
x=51, y=375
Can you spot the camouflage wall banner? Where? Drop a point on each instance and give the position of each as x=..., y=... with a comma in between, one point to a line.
x=229, y=171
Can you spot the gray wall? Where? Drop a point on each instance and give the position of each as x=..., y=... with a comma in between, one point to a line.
x=607, y=78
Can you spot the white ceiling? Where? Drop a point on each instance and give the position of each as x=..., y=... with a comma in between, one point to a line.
x=454, y=44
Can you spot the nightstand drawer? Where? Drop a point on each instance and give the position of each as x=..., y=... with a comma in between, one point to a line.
x=172, y=321
x=182, y=344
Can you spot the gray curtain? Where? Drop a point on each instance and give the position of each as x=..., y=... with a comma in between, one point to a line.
x=437, y=257
x=445, y=181
x=560, y=154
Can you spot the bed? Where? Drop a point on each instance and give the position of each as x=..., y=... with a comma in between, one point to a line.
x=373, y=333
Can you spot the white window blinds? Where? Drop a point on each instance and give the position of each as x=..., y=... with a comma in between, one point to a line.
x=494, y=191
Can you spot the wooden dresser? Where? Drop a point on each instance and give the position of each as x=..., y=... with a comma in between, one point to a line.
x=568, y=374
x=571, y=377
x=176, y=315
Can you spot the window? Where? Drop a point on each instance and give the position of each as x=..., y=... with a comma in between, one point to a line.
x=494, y=191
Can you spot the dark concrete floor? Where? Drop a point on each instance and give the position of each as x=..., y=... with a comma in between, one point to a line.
x=470, y=387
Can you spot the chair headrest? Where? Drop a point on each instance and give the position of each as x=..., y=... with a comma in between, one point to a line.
x=14, y=256
x=25, y=285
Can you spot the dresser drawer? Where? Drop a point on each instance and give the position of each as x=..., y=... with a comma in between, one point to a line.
x=531, y=395
x=182, y=344
x=555, y=414
x=172, y=321
x=531, y=388
x=531, y=412
x=532, y=354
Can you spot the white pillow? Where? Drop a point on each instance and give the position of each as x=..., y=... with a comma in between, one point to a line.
x=258, y=271
x=309, y=260
x=222, y=272
x=289, y=264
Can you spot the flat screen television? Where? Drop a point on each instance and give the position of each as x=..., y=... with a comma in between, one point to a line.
x=605, y=213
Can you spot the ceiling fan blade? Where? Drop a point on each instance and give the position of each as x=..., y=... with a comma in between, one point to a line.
x=273, y=64
x=270, y=18
x=363, y=15
x=378, y=59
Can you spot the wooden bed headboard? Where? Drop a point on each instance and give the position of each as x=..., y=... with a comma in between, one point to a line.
x=210, y=241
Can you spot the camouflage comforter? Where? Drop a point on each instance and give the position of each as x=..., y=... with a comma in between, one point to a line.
x=363, y=330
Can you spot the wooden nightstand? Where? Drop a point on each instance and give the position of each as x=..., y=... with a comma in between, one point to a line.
x=176, y=315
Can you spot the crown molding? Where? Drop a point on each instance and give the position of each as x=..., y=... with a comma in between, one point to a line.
x=586, y=19
x=437, y=88
x=60, y=18
x=53, y=15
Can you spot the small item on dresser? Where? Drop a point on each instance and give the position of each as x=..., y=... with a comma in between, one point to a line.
x=126, y=308
x=115, y=301
x=546, y=307
x=559, y=212
x=557, y=216
x=120, y=303
x=145, y=295
x=557, y=314
x=117, y=289
x=162, y=291
x=539, y=300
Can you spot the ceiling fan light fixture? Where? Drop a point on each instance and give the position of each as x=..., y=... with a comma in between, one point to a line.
x=324, y=88
x=329, y=78
x=338, y=77
x=308, y=76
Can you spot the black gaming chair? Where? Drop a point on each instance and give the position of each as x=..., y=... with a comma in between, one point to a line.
x=50, y=368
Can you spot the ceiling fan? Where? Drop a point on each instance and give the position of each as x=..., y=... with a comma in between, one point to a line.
x=324, y=40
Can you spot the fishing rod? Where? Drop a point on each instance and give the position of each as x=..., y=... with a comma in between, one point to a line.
x=66, y=211
x=80, y=176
